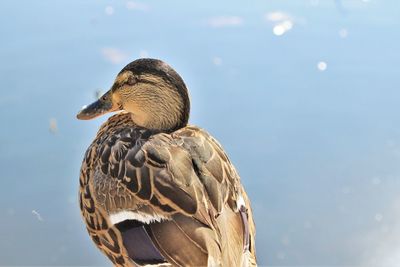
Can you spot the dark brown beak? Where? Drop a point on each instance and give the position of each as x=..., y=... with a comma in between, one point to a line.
x=97, y=108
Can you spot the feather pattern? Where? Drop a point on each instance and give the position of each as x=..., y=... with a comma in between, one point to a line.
x=180, y=186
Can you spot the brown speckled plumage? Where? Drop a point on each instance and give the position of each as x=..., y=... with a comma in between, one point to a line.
x=183, y=177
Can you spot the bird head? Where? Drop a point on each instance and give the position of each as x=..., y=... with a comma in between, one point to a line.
x=151, y=91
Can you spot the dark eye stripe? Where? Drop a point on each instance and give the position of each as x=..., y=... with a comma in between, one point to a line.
x=139, y=81
x=148, y=82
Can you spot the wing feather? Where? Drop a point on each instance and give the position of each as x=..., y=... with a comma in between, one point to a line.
x=185, y=176
x=181, y=171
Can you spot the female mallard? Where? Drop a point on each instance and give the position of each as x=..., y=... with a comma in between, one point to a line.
x=154, y=190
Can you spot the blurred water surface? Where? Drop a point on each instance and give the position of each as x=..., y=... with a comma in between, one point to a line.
x=304, y=96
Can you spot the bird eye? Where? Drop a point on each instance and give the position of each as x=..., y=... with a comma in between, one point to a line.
x=132, y=80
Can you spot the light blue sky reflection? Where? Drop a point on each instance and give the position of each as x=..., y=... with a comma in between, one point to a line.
x=303, y=95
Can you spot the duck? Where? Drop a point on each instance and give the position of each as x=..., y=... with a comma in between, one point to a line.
x=155, y=190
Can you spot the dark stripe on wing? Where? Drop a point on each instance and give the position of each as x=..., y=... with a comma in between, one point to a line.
x=138, y=243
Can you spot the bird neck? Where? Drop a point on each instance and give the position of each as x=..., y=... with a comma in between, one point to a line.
x=161, y=116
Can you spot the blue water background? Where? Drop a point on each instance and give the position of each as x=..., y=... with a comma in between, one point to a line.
x=318, y=149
